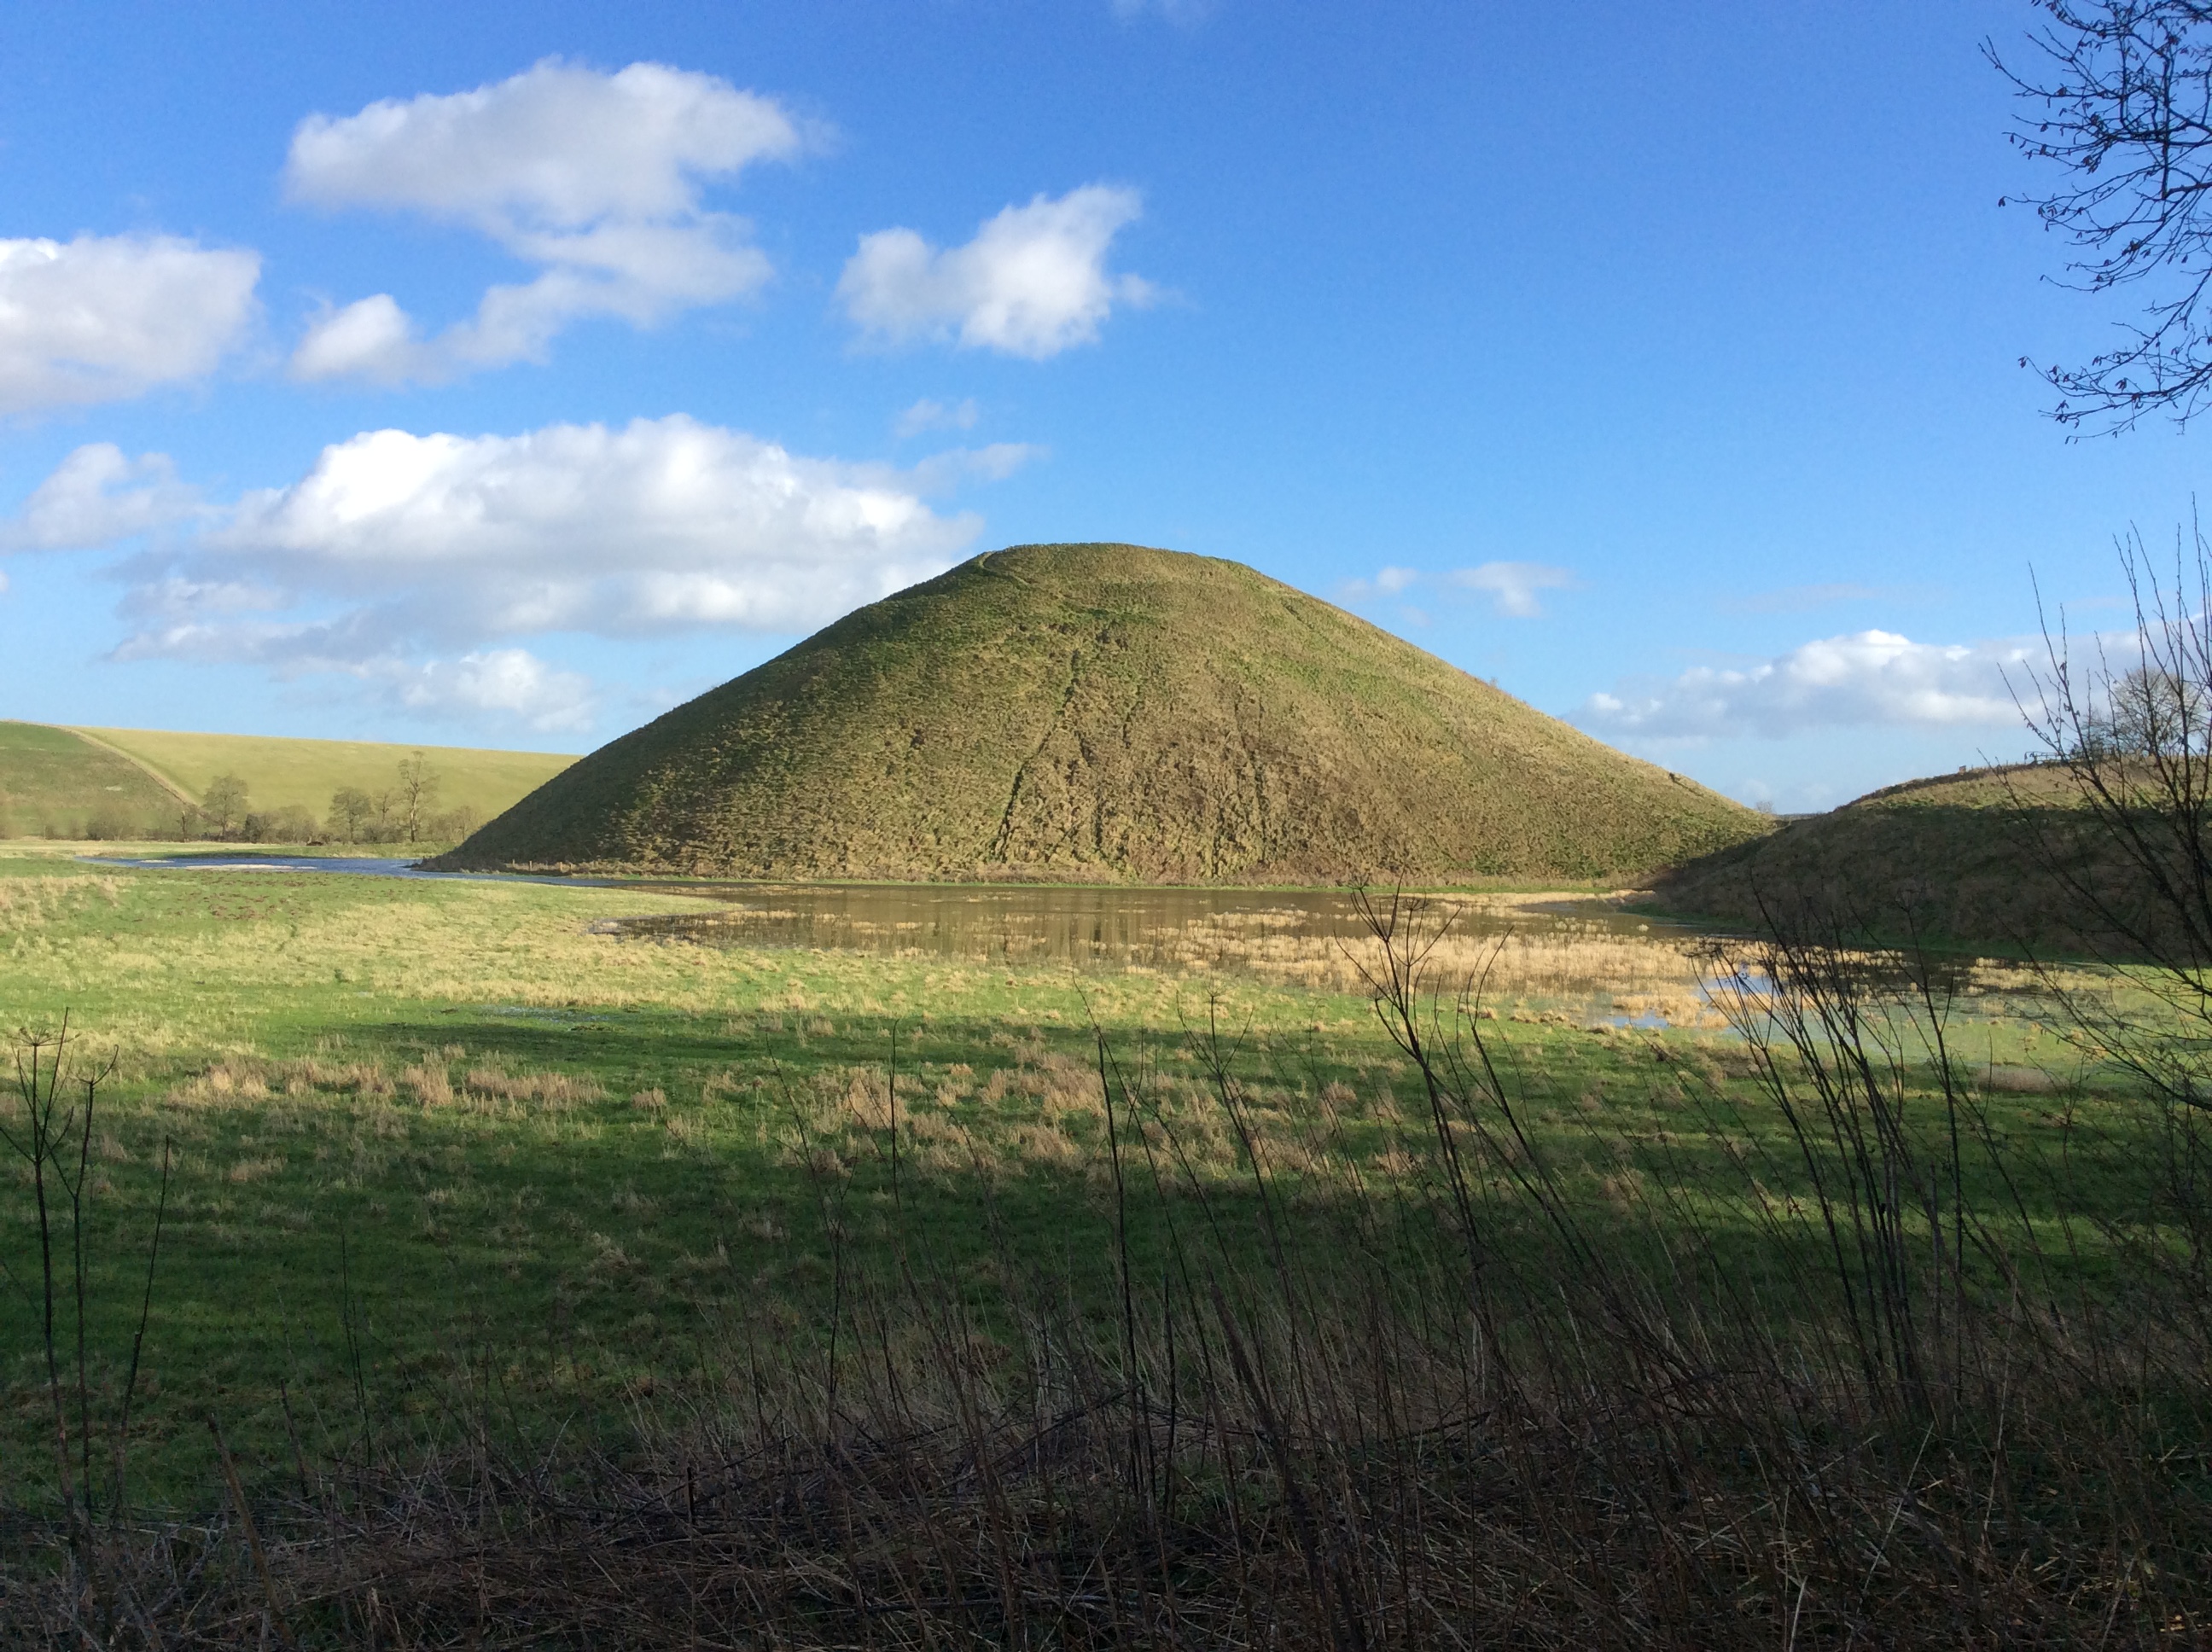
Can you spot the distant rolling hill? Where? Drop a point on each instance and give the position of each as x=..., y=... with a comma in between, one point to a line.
x=1110, y=712
x=278, y=771
x=135, y=782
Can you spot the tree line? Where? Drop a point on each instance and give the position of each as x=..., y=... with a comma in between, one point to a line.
x=406, y=811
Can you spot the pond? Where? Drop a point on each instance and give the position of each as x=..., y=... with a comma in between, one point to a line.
x=1149, y=928
x=1577, y=958
x=1581, y=956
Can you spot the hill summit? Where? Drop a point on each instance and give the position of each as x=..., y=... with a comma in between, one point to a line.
x=1107, y=712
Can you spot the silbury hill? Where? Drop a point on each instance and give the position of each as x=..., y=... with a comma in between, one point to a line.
x=1106, y=712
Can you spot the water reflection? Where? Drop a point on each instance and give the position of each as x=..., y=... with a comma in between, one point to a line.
x=1147, y=928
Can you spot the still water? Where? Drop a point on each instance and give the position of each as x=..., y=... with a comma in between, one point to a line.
x=1303, y=932
x=1156, y=928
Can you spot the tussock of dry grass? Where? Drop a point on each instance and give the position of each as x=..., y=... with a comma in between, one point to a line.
x=28, y=903
x=245, y=1079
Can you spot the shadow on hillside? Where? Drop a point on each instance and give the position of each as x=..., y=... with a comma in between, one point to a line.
x=1993, y=877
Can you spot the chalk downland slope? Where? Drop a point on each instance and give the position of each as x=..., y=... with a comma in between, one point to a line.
x=54, y=783
x=1972, y=859
x=1108, y=713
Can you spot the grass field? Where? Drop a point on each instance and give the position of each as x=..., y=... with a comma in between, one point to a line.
x=280, y=772
x=439, y=1149
x=523, y=1128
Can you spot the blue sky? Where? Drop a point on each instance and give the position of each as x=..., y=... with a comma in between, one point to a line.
x=503, y=374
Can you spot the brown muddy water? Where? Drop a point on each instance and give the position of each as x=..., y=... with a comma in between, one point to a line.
x=1579, y=956
x=1154, y=928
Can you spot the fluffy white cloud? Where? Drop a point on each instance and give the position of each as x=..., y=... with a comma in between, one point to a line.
x=508, y=683
x=1032, y=283
x=1512, y=587
x=97, y=496
x=558, y=146
x=415, y=564
x=102, y=319
x=1866, y=678
x=594, y=177
x=394, y=541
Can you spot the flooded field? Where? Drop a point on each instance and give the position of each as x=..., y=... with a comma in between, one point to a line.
x=1525, y=948
x=1552, y=956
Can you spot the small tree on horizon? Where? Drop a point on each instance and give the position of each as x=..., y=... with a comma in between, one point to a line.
x=225, y=804
x=351, y=811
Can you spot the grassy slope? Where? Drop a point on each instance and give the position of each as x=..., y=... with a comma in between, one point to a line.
x=1966, y=854
x=279, y=771
x=49, y=778
x=1107, y=713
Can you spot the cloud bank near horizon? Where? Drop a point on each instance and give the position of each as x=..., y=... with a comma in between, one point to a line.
x=418, y=562
x=1862, y=679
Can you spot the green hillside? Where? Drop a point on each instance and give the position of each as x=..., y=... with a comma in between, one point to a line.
x=55, y=783
x=1110, y=712
x=279, y=773
x=1964, y=858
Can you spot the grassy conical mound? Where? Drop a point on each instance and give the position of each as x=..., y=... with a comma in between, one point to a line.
x=1104, y=713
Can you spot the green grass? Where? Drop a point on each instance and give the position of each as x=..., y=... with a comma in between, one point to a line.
x=279, y=772
x=456, y=1118
x=1110, y=713
x=54, y=783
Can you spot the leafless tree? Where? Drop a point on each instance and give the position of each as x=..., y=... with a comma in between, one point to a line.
x=415, y=796
x=2121, y=95
x=2134, y=744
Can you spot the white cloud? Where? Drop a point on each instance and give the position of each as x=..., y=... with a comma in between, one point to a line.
x=96, y=496
x=1866, y=678
x=105, y=318
x=594, y=177
x=926, y=414
x=372, y=338
x=1512, y=587
x=1032, y=283
x=416, y=563
x=511, y=683
x=394, y=541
